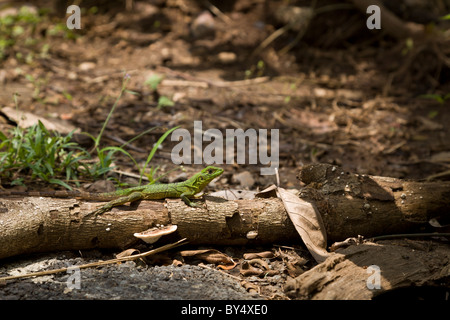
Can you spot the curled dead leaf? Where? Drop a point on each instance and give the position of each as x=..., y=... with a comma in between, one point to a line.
x=26, y=119
x=227, y=267
x=308, y=223
x=291, y=256
x=269, y=192
x=259, y=263
x=255, y=255
x=292, y=261
x=127, y=253
x=250, y=287
x=256, y=267
x=293, y=270
x=248, y=270
x=211, y=256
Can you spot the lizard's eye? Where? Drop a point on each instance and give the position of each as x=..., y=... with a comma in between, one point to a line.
x=210, y=171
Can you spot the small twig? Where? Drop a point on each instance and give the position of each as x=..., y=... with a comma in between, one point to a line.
x=197, y=82
x=277, y=176
x=201, y=265
x=217, y=12
x=300, y=33
x=438, y=175
x=100, y=263
x=238, y=83
x=270, y=39
x=409, y=235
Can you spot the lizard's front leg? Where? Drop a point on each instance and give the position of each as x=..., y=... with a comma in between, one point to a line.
x=185, y=197
x=117, y=202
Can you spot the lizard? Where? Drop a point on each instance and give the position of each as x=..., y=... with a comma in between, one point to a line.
x=185, y=190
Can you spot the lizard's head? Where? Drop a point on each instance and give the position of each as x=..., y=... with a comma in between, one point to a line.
x=201, y=179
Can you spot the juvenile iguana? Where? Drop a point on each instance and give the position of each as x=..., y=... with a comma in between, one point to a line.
x=184, y=190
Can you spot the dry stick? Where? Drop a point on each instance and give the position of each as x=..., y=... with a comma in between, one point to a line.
x=197, y=82
x=217, y=12
x=300, y=33
x=438, y=175
x=270, y=39
x=409, y=235
x=100, y=263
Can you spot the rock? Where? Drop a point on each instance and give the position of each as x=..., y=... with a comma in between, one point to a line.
x=245, y=179
x=203, y=26
x=227, y=57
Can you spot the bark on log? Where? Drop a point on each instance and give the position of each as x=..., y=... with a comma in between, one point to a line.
x=36, y=224
x=33, y=224
x=350, y=205
x=368, y=271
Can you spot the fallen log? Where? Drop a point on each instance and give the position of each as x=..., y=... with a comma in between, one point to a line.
x=352, y=204
x=36, y=224
x=349, y=204
x=417, y=270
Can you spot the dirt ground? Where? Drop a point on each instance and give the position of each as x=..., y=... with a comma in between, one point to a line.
x=343, y=95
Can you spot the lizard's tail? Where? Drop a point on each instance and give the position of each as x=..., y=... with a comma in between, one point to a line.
x=60, y=194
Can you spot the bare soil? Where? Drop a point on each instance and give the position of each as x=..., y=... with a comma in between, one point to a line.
x=342, y=95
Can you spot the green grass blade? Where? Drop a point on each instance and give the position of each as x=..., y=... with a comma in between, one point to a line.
x=61, y=183
x=158, y=143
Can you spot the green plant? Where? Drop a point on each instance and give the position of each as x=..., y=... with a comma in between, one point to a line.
x=256, y=70
x=164, y=101
x=409, y=46
x=153, y=82
x=55, y=159
x=38, y=84
x=13, y=28
x=152, y=153
x=437, y=97
x=41, y=154
x=105, y=154
x=61, y=30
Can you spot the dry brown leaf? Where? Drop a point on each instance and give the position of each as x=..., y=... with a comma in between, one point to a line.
x=292, y=257
x=177, y=263
x=250, y=287
x=307, y=222
x=255, y=255
x=227, y=267
x=256, y=267
x=260, y=263
x=293, y=269
x=26, y=119
x=270, y=191
x=248, y=270
x=127, y=253
x=211, y=256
